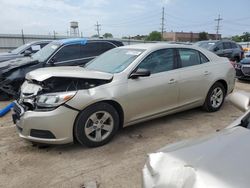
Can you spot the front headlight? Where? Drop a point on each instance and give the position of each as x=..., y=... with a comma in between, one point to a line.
x=54, y=99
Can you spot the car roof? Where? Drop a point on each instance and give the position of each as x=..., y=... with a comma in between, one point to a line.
x=149, y=47
x=83, y=41
x=72, y=41
x=39, y=41
x=153, y=46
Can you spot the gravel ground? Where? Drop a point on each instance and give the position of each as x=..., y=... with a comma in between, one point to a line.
x=117, y=164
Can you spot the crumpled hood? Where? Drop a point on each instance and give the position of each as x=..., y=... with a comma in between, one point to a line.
x=15, y=63
x=67, y=71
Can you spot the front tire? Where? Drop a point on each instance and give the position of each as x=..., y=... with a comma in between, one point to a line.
x=96, y=125
x=215, y=98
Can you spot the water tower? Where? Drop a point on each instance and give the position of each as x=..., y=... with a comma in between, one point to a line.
x=74, y=29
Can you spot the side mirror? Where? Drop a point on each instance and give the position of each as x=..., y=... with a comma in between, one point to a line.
x=216, y=49
x=140, y=73
x=27, y=53
x=52, y=61
x=240, y=100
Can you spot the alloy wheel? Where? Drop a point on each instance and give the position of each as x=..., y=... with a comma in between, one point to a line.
x=99, y=126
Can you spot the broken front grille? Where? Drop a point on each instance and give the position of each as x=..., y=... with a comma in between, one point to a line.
x=18, y=110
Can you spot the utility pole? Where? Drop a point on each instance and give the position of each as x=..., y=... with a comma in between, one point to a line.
x=98, y=29
x=54, y=34
x=218, y=20
x=23, y=36
x=162, y=22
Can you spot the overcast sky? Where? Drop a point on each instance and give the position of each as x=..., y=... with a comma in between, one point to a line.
x=123, y=17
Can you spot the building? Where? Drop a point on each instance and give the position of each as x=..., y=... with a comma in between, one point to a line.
x=186, y=36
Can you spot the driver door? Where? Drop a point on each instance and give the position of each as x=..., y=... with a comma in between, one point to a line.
x=158, y=93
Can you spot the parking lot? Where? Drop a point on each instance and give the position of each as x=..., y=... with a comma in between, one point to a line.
x=117, y=164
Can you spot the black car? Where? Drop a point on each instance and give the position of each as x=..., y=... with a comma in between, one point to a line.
x=66, y=52
x=243, y=69
x=223, y=48
x=24, y=50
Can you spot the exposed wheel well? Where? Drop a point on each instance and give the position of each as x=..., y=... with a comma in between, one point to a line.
x=119, y=109
x=116, y=105
x=224, y=83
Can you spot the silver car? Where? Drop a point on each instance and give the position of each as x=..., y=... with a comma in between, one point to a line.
x=219, y=160
x=122, y=87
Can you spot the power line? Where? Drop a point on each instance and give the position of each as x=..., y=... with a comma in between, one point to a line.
x=98, y=28
x=133, y=19
x=218, y=26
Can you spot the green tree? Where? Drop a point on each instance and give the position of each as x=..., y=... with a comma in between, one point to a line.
x=203, y=36
x=154, y=36
x=245, y=37
x=107, y=35
x=237, y=38
x=94, y=36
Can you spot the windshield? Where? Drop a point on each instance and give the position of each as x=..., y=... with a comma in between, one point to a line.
x=20, y=49
x=206, y=45
x=115, y=60
x=46, y=52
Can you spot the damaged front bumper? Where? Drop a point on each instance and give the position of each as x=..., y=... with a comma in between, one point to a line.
x=242, y=71
x=49, y=127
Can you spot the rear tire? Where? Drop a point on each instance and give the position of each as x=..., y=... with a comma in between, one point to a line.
x=96, y=125
x=215, y=98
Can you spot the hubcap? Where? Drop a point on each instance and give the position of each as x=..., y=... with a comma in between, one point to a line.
x=99, y=126
x=216, y=97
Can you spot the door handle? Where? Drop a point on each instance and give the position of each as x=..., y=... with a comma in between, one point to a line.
x=206, y=73
x=172, y=81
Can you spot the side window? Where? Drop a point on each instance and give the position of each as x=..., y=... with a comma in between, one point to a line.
x=220, y=46
x=233, y=45
x=204, y=59
x=93, y=49
x=189, y=57
x=67, y=53
x=227, y=45
x=90, y=50
x=105, y=46
x=43, y=44
x=29, y=49
x=159, y=61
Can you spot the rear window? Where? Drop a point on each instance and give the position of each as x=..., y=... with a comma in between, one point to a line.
x=189, y=57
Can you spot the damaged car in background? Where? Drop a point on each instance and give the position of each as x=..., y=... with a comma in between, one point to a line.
x=243, y=69
x=24, y=50
x=217, y=160
x=66, y=52
x=123, y=86
x=223, y=48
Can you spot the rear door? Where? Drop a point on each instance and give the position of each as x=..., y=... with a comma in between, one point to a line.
x=228, y=50
x=219, y=49
x=157, y=93
x=195, y=75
